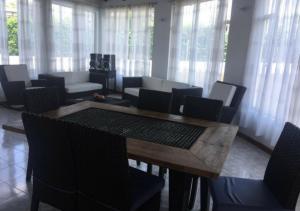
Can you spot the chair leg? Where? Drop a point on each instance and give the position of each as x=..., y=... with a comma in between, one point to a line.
x=162, y=172
x=193, y=193
x=204, y=195
x=149, y=168
x=152, y=204
x=34, y=199
x=29, y=169
x=138, y=163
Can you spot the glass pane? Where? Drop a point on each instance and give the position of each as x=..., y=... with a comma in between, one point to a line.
x=12, y=29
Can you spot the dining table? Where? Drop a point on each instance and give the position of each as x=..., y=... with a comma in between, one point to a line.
x=186, y=146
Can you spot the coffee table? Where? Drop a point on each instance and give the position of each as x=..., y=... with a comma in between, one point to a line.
x=108, y=100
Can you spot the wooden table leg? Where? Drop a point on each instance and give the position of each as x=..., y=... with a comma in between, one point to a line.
x=179, y=190
x=204, y=197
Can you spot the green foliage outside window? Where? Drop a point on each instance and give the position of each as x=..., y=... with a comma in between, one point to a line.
x=12, y=29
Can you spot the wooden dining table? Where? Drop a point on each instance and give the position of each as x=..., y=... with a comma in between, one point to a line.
x=204, y=157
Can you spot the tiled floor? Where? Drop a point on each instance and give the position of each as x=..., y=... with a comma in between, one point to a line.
x=245, y=160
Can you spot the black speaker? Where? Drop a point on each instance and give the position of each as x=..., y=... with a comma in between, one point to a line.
x=109, y=62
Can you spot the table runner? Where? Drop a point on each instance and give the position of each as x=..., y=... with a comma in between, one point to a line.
x=138, y=127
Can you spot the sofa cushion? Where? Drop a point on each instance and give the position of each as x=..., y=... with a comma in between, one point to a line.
x=73, y=77
x=152, y=83
x=17, y=73
x=132, y=91
x=82, y=87
x=167, y=85
x=224, y=92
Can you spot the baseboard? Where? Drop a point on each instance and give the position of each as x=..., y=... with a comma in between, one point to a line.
x=256, y=143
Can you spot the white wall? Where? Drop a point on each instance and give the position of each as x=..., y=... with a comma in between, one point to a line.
x=240, y=28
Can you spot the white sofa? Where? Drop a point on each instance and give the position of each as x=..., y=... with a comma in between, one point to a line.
x=132, y=86
x=155, y=84
x=74, y=84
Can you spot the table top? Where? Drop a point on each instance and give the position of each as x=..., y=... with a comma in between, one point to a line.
x=205, y=157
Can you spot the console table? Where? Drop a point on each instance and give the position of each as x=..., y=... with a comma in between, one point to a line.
x=107, y=74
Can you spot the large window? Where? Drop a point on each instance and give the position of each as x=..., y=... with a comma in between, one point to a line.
x=12, y=30
x=73, y=36
x=273, y=69
x=127, y=32
x=199, y=37
x=62, y=19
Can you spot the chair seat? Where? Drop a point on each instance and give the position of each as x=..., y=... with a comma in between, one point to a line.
x=243, y=194
x=132, y=91
x=82, y=87
x=144, y=187
x=34, y=87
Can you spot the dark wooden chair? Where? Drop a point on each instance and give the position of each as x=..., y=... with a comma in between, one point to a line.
x=228, y=112
x=178, y=96
x=105, y=181
x=202, y=108
x=15, y=80
x=158, y=101
x=278, y=191
x=39, y=101
x=206, y=109
x=154, y=100
x=54, y=180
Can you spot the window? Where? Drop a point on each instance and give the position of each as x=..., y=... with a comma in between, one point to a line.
x=62, y=20
x=73, y=36
x=127, y=32
x=12, y=30
x=198, y=45
x=272, y=72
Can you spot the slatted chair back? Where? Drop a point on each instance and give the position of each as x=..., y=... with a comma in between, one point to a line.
x=154, y=100
x=103, y=180
x=202, y=108
x=283, y=171
x=40, y=100
x=52, y=159
x=178, y=96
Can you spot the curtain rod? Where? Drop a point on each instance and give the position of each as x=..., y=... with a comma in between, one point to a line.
x=123, y=4
x=86, y=3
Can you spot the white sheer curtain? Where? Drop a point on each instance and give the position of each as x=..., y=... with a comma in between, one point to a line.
x=3, y=35
x=31, y=40
x=272, y=73
x=72, y=29
x=127, y=32
x=196, y=54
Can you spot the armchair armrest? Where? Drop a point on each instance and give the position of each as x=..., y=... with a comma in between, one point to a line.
x=132, y=82
x=58, y=82
x=227, y=114
x=40, y=83
x=14, y=92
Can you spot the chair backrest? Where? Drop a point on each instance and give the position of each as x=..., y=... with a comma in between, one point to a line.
x=41, y=99
x=202, y=108
x=178, y=96
x=223, y=92
x=238, y=95
x=102, y=169
x=12, y=73
x=154, y=100
x=51, y=151
x=283, y=171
